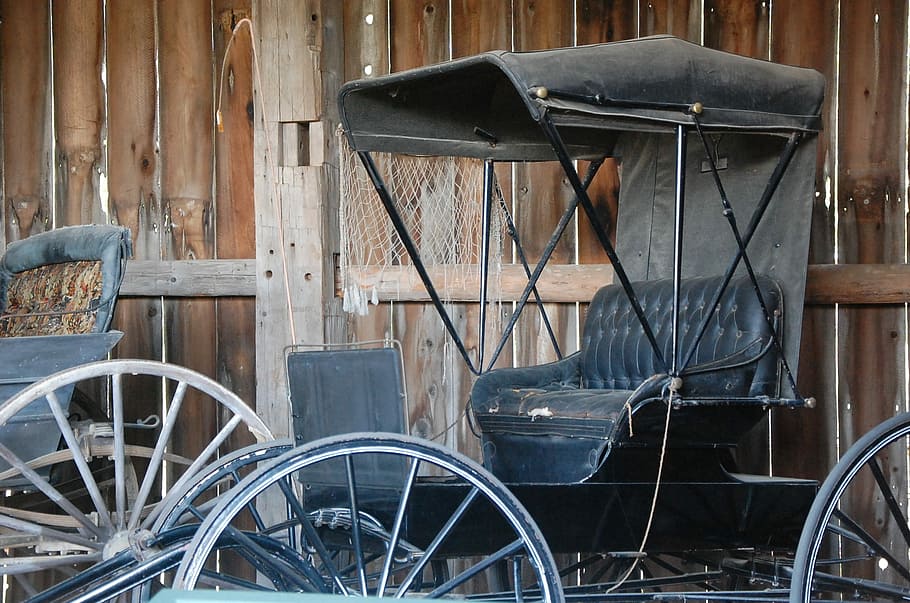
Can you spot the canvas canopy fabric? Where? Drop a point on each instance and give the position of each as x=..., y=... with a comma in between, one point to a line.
x=488, y=105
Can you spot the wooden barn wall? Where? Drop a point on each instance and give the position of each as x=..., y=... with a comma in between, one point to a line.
x=853, y=356
x=108, y=116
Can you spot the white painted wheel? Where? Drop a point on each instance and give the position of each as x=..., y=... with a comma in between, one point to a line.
x=98, y=484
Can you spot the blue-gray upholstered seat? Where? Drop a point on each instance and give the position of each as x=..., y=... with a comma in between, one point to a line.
x=63, y=281
x=557, y=422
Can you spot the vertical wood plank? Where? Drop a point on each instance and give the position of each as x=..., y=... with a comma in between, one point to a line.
x=605, y=21
x=419, y=33
x=602, y=21
x=332, y=64
x=133, y=198
x=366, y=52
x=366, y=30
x=419, y=36
x=132, y=113
x=871, y=205
x=738, y=26
x=2, y=180
x=681, y=18
x=235, y=319
x=478, y=26
x=24, y=61
x=300, y=31
x=803, y=33
x=541, y=192
x=132, y=162
x=78, y=108
x=187, y=164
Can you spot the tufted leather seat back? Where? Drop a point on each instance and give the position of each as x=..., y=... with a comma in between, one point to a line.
x=616, y=353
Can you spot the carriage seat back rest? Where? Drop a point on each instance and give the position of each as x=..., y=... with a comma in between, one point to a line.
x=728, y=361
x=615, y=355
x=63, y=281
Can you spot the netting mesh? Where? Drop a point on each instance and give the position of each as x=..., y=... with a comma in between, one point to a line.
x=440, y=201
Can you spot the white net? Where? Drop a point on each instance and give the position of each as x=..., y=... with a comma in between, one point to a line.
x=440, y=201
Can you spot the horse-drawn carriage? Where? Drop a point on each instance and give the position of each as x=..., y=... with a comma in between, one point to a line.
x=619, y=459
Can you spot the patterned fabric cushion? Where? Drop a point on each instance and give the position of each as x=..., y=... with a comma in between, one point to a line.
x=55, y=299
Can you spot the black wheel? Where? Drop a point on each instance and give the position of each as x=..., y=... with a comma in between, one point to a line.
x=374, y=514
x=855, y=544
x=147, y=563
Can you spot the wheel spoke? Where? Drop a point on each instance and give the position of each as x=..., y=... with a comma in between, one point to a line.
x=517, y=580
x=84, y=470
x=888, y=496
x=488, y=562
x=202, y=458
x=48, y=490
x=437, y=541
x=355, y=523
x=119, y=450
x=869, y=541
x=28, y=527
x=396, y=527
x=154, y=465
x=312, y=536
x=251, y=550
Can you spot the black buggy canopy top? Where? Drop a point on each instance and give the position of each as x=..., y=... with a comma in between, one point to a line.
x=753, y=126
x=488, y=105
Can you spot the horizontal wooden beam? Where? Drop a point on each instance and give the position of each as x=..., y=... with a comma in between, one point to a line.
x=826, y=283
x=190, y=278
x=858, y=284
x=559, y=283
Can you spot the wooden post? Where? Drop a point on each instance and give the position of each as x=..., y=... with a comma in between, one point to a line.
x=24, y=62
x=289, y=193
x=187, y=163
x=78, y=109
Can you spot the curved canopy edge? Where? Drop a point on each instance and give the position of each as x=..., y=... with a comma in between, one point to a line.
x=488, y=105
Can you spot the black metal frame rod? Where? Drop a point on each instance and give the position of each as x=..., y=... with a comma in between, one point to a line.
x=606, y=101
x=414, y=254
x=581, y=194
x=548, y=250
x=488, y=178
x=523, y=259
x=679, y=211
x=743, y=241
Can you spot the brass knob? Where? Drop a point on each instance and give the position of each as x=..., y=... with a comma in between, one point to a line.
x=541, y=92
x=697, y=108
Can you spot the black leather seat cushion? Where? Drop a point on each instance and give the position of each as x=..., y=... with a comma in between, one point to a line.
x=590, y=392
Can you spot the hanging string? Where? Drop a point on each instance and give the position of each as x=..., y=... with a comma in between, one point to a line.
x=673, y=387
x=269, y=158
